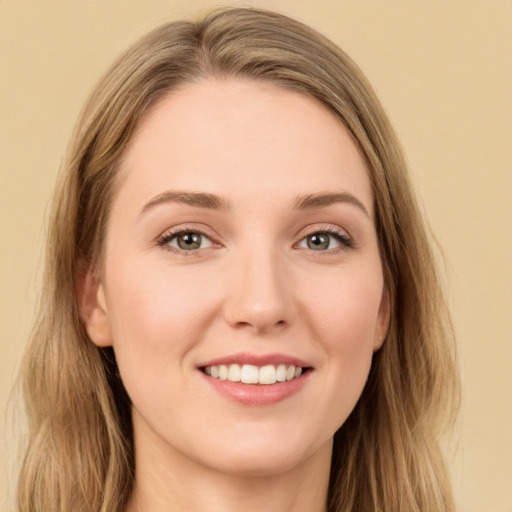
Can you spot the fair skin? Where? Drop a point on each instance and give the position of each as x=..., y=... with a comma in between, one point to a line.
x=241, y=232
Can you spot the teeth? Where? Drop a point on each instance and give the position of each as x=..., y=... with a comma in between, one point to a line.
x=281, y=373
x=250, y=374
x=223, y=372
x=267, y=374
x=234, y=373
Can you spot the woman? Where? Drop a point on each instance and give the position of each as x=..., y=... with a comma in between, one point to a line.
x=241, y=305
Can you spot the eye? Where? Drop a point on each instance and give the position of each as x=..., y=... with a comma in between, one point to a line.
x=185, y=241
x=325, y=240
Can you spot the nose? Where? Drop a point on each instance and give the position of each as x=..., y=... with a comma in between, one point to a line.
x=259, y=294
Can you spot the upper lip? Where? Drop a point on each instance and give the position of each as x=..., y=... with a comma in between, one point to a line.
x=256, y=360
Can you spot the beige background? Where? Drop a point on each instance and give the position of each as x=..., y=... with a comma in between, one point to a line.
x=442, y=70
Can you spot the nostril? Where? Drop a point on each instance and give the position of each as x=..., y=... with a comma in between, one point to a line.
x=259, y=300
x=260, y=324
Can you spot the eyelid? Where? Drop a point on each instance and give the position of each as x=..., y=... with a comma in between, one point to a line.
x=342, y=235
x=169, y=234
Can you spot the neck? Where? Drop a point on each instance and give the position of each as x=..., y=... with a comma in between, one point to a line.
x=168, y=480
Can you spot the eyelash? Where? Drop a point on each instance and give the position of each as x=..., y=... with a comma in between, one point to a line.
x=341, y=236
x=164, y=240
x=345, y=240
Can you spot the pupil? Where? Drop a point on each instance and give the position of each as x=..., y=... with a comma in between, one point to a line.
x=318, y=241
x=189, y=241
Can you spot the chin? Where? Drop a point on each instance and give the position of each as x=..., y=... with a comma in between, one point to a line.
x=265, y=455
x=258, y=465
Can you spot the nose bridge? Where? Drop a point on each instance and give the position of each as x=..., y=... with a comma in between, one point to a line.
x=259, y=293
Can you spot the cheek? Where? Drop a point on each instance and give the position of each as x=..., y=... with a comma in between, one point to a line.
x=344, y=307
x=154, y=300
x=157, y=317
x=344, y=315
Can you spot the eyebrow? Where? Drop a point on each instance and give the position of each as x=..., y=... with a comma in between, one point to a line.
x=326, y=199
x=197, y=199
x=215, y=202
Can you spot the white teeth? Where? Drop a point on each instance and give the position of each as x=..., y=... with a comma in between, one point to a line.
x=234, y=373
x=267, y=374
x=251, y=374
x=223, y=372
x=281, y=373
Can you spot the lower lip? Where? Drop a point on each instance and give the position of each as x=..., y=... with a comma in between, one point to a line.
x=258, y=394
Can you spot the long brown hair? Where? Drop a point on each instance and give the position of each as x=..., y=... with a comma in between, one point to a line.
x=79, y=455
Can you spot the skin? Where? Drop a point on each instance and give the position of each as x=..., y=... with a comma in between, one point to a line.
x=253, y=286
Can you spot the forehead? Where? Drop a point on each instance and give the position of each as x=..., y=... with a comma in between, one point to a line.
x=242, y=138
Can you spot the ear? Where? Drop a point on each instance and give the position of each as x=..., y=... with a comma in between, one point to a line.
x=93, y=308
x=383, y=319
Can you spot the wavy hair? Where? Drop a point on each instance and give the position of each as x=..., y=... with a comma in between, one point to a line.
x=79, y=455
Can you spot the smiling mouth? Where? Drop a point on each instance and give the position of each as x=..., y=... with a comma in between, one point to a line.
x=252, y=374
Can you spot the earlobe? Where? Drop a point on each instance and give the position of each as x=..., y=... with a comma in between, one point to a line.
x=93, y=309
x=383, y=320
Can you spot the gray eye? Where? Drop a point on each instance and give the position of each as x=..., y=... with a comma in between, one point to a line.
x=189, y=241
x=319, y=242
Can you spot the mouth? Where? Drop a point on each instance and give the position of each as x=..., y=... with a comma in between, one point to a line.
x=264, y=375
x=256, y=379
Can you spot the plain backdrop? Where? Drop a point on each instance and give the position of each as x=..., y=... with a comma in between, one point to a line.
x=443, y=72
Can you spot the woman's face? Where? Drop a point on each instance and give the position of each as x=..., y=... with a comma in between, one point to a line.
x=241, y=245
